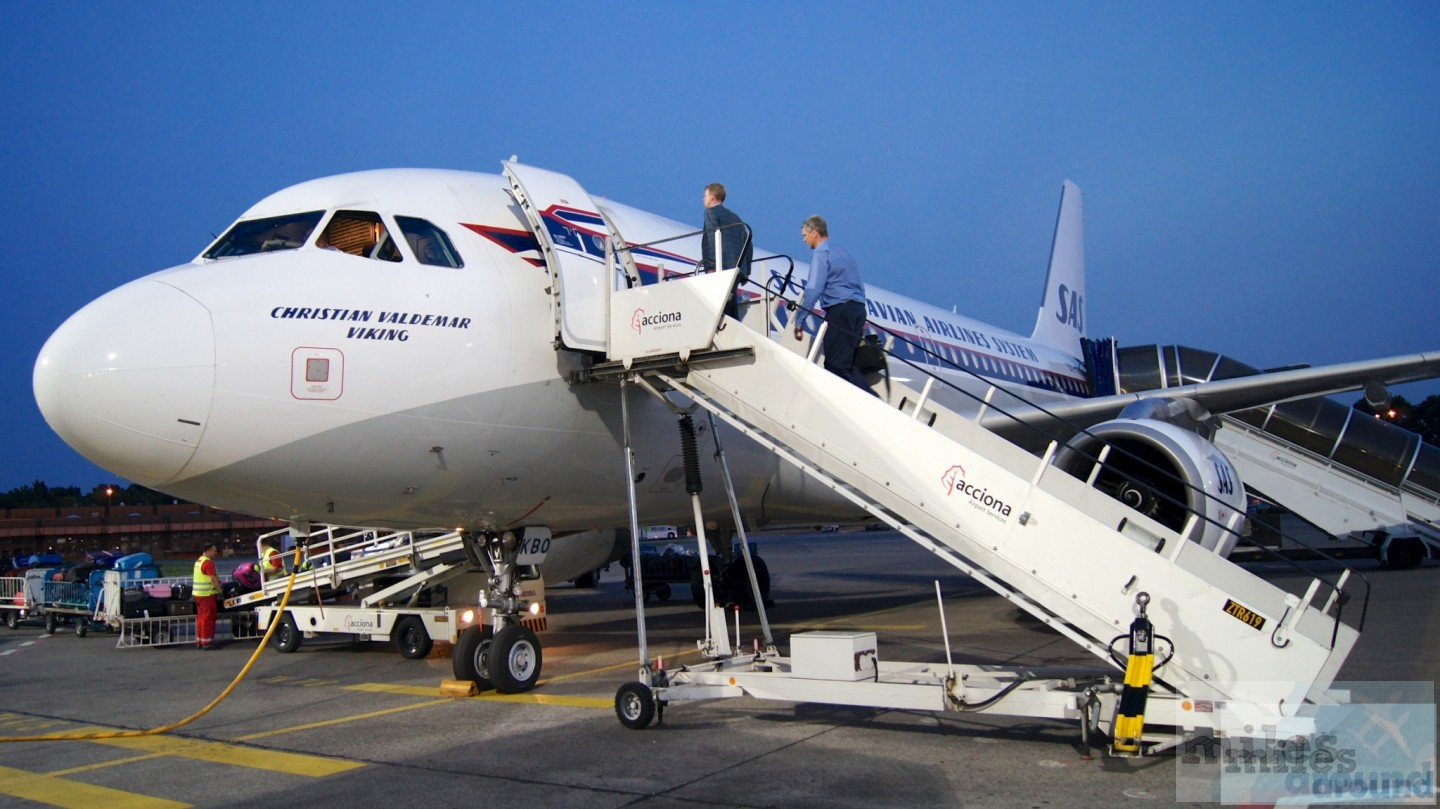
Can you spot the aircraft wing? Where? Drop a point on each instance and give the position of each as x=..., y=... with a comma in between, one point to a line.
x=1219, y=396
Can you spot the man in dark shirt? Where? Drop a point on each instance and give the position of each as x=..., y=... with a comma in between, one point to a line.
x=735, y=244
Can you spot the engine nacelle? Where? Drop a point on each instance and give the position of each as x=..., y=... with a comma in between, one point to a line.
x=574, y=555
x=1164, y=472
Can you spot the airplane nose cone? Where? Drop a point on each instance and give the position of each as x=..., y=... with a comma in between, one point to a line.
x=128, y=380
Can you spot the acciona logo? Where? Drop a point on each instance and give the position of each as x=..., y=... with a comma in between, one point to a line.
x=354, y=623
x=1283, y=460
x=978, y=496
x=640, y=320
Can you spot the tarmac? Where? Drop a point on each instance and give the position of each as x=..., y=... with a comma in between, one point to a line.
x=355, y=724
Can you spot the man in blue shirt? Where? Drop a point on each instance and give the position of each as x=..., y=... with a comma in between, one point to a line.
x=834, y=285
x=735, y=241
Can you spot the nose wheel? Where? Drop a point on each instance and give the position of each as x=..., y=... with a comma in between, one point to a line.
x=515, y=660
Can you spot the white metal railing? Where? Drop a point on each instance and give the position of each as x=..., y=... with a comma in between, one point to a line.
x=175, y=630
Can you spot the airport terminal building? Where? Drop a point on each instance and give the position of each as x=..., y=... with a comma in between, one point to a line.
x=163, y=531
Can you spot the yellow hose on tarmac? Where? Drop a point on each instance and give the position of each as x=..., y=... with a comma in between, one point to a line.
x=127, y=734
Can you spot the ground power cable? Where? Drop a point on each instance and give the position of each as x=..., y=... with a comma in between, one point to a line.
x=129, y=734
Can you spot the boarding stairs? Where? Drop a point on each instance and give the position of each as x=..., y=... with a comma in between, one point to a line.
x=378, y=565
x=1330, y=495
x=1052, y=544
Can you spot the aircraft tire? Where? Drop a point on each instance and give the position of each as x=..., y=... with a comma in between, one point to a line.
x=470, y=660
x=515, y=660
x=1401, y=553
x=410, y=638
x=635, y=705
x=739, y=580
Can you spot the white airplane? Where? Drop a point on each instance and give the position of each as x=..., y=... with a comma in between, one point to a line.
x=396, y=348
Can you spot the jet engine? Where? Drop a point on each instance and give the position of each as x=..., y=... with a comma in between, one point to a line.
x=1161, y=463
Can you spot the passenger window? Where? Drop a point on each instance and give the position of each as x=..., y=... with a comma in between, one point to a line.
x=359, y=233
x=429, y=243
x=265, y=235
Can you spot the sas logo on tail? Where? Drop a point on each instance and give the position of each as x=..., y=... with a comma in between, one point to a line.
x=1071, y=308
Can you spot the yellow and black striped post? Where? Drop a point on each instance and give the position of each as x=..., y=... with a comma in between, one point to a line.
x=1130, y=717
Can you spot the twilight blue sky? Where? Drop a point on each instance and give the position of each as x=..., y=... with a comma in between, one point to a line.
x=1261, y=180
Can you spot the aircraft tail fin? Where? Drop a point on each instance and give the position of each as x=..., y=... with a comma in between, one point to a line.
x=1061, y=323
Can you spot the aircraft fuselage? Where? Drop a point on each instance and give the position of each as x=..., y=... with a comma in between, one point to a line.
x=383, y=389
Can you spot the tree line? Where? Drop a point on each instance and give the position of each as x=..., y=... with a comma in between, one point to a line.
x=41, y=495
x=1422, y=419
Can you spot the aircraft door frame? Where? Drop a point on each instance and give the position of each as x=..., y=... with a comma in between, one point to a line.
x=572, y=232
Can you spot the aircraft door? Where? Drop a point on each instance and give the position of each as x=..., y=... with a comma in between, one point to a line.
x=572, y=233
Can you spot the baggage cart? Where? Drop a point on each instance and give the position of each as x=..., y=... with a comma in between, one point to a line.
x=64, y=600
x=178, y=630
x=13, y=607
x=664, y=565
x=661, y=567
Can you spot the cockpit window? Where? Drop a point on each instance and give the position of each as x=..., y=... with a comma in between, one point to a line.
x=429, y=243
x=265, y=235
x=359, y=233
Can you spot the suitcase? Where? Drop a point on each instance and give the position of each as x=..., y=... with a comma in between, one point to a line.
x=248, y=575
x=136, y=603
x=179, y=607
x=133, y=561
x=105, y=559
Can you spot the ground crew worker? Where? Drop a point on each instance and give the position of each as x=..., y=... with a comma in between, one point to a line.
x=206, y=590
x=271, y=563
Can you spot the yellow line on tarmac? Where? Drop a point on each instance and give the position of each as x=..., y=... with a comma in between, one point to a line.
x=61, y=792
x=633, y=665
x=101, y=765
x=344, y=719
x=528, y=697
x=218, y=752
x=549, y=699
x=388, y=688
x=235, y=755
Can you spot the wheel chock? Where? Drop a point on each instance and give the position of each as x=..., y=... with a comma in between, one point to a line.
x=458, y=688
